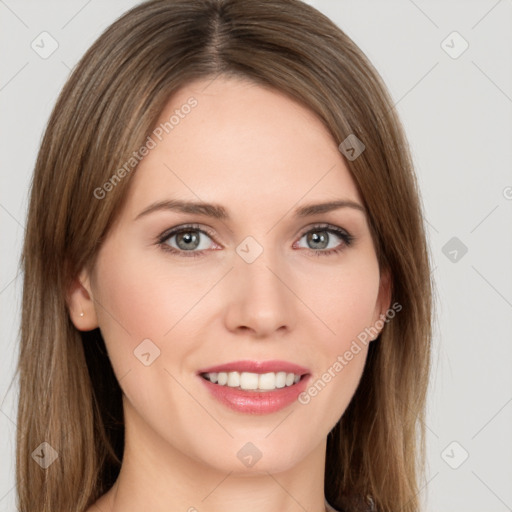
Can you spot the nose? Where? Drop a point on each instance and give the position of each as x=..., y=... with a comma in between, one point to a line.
x=260, y=300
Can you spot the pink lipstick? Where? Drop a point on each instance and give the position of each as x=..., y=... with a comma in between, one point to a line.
x=255, y=387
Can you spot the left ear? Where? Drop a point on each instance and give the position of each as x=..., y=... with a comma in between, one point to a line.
x=383, y=300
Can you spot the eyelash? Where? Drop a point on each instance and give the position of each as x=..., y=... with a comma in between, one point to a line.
x=164, y=237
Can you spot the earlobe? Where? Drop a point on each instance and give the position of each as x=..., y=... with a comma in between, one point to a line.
x=81, y=303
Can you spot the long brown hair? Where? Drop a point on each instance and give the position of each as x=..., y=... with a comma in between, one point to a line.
x=69, y=396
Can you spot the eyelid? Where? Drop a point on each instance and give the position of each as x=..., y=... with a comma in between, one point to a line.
x=184, y=227
x=177, y=229
x=337, y=230
x=347, y=238
x=323, y=225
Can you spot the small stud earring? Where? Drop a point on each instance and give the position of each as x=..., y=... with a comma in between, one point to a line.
x=82, y=313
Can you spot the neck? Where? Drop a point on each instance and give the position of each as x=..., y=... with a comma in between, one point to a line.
x=158, y=477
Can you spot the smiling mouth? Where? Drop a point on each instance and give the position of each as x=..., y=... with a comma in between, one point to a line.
x=249, y=381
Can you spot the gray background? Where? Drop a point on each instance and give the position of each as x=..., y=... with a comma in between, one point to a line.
x=457, y=115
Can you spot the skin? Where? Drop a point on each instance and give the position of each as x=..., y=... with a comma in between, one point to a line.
x=259, y=154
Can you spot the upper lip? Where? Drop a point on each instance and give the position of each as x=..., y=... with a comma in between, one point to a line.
x=257, y=367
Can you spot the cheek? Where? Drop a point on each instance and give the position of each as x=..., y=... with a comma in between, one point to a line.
x=136, y=286
x=346, y=308
x=141, y=298
x=134, y=302
x=353, y=310
x=344, y=298
x=346, y=305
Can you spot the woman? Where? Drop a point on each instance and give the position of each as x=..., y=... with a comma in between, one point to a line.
x=227, y=297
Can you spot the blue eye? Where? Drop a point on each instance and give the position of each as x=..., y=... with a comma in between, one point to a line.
x=320, y=237
x=189, y=240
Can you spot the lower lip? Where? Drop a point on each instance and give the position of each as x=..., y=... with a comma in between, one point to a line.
x=256, y=402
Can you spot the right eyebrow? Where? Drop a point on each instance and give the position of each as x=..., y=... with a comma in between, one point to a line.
x=206, y=209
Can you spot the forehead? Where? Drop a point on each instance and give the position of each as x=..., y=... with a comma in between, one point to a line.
x=231, y=141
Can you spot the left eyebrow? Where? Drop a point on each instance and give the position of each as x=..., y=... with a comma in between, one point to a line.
x=313, y=209
x=219, y=212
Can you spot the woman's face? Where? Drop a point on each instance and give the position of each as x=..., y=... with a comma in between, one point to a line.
x=260, y=284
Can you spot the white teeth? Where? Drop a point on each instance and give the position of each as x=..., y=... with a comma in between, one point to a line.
x=253, y=381
x=233, y=379
x=281, y=379
x=267, y=381
x=249, y=380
